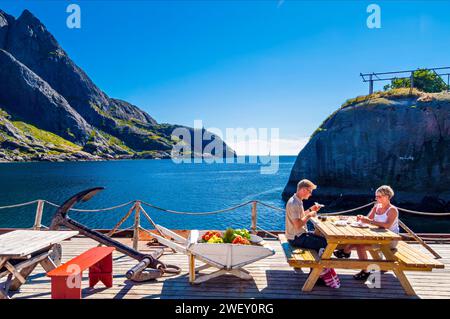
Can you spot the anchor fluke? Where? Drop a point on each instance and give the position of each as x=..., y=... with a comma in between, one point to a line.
x=82, y=196
x=91, y=193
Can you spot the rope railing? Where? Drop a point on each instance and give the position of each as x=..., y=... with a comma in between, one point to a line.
x=19, y=205
x=216, y=211
x=349, y=210
x=197, y=213
x=137, y=209
x=270, y=206
x=422, y=213
x=93, y=210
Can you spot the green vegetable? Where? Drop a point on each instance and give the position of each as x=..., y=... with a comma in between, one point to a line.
x=229, y=236
x=242, y=232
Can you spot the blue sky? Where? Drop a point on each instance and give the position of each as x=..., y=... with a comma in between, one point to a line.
x=261, y=64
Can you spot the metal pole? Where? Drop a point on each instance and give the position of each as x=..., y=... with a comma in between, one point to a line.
x=412, y=81
x=370, y=84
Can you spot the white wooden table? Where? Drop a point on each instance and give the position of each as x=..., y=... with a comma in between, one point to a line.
x=22, y=250
x=226, y=258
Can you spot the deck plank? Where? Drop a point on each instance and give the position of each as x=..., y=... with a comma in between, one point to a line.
x=273, y=278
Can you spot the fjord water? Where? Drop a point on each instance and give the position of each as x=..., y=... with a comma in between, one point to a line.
x=189, y=187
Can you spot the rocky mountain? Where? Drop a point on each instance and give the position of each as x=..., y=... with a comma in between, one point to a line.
x=40, y=86
x=393, y=138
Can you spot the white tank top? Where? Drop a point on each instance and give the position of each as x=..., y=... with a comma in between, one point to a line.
x=382, y=218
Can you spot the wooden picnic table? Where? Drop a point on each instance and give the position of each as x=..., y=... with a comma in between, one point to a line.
x=378, y=238
x=22, y=250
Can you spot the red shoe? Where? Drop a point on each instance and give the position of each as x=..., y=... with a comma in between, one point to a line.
x=336, y=277
x=330, y=278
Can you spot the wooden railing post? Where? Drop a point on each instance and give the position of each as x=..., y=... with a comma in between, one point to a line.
x=137, y=224
x=38, y=217
x=254, y=213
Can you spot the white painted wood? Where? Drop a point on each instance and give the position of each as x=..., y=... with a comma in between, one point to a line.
x=26, y=263
x=194, y=237
x=20, y=243
x=231, y=256
x=179, y=239
x=228, y=258
x=171, y=244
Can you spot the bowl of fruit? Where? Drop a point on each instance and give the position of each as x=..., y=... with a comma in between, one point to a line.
x=230, y=236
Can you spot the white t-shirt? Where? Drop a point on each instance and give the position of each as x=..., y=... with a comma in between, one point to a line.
x=294, y=210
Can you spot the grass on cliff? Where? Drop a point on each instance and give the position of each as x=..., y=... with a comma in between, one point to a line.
x=391, y=94
x=379, y=97
x=112, y=140
x=46, y=137
x=134, y=123
x=3, y=114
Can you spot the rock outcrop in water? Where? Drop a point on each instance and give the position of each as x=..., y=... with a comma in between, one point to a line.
x=44, y=91
x=393, y=138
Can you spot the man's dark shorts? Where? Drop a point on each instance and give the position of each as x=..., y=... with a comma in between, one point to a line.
x=309, y=241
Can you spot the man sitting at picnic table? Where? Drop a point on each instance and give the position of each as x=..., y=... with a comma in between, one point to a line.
x=296, y=227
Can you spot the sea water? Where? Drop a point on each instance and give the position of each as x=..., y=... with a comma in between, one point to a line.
x=195, y=187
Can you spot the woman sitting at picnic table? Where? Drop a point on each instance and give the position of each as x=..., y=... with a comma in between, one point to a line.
x=383, y=214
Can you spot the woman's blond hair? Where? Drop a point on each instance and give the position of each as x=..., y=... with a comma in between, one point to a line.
x=385, y=190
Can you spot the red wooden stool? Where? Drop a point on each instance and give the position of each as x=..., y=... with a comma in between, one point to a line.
x=66, y=279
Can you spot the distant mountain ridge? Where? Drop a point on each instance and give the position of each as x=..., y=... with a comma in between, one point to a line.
x=43, y=89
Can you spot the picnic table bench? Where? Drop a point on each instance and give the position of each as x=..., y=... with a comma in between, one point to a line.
x=403, y=257
x=22, y=250
x=413, y=259
x=66, y=279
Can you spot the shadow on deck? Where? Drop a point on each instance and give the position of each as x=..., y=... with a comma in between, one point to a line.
x=272, y=278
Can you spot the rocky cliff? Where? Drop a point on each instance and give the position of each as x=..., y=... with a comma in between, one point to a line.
x=393, y=138
x=41, y=86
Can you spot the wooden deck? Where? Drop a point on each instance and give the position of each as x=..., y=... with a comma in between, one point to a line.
x=273, y=278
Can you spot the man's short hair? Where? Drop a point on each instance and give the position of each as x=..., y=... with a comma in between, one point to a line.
x=306, y=183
